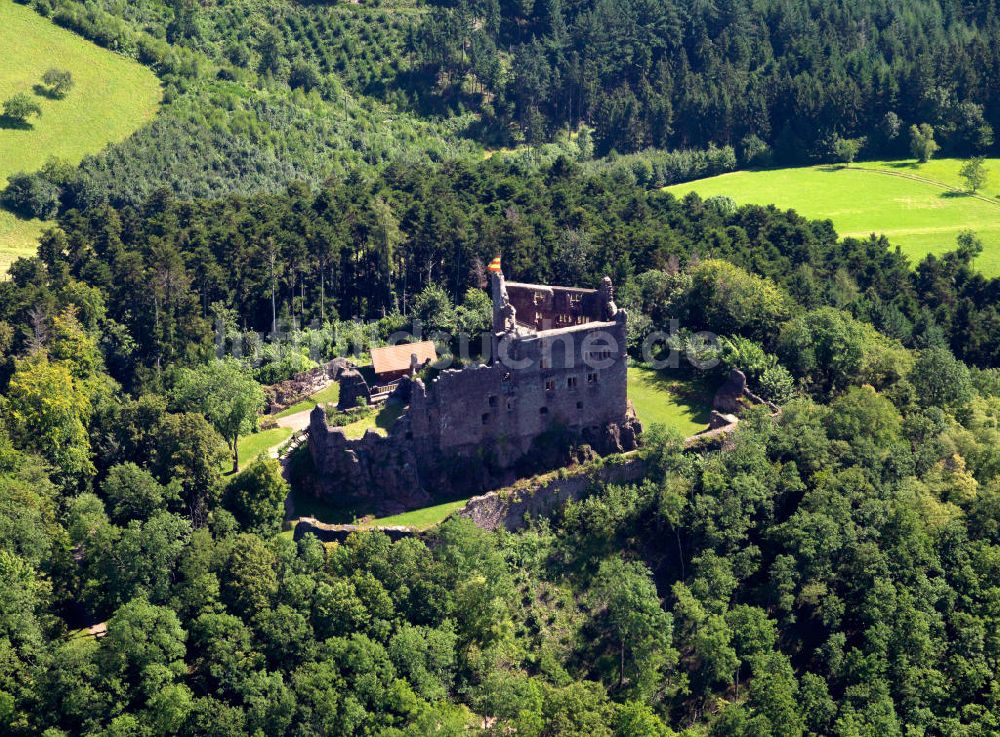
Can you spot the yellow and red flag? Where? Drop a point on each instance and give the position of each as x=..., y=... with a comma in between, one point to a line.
x=495, y=265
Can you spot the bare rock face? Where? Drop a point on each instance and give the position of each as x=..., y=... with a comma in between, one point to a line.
x=728, y=398
x=352, y=388
x=380, y=472
x=716, y=420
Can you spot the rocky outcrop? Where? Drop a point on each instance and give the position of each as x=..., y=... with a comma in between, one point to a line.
x=729, y=398
x=353, y=389
x=379, y=472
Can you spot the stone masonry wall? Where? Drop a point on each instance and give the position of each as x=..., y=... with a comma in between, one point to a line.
x=544, y=307
x=510, y=508
x=541, y=380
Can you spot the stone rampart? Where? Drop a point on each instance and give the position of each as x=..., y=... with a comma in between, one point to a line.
x=511, y=507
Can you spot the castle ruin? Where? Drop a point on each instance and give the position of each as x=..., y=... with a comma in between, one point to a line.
x=554, y=385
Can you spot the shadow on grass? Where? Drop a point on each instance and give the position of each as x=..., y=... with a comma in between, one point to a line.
x=14, y=124
x=955, y=194
x=693, y=394
x=307, y=505
x=390, y=412
x=904, y=165
x=22, y=216
x=49, y=94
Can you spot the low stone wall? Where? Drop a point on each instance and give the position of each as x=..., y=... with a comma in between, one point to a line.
x=339, y=533
x=541, y=496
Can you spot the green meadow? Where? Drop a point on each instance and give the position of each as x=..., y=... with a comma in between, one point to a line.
x=112, y=97
x=919, y=207
x=661, y=399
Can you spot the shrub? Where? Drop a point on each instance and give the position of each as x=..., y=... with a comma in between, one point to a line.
x=776, y=384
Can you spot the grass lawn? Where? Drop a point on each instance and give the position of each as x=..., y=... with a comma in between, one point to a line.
x=112, y=98
x=329, y=395
x=660, y=398
x=886, y=197
x=251, y=446
x=379, y=421
x=422, y=519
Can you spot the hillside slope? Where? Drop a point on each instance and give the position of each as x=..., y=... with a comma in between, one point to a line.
x=112, y=97
x=913, y=205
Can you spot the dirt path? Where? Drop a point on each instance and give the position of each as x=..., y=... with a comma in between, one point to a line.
x=296, y=422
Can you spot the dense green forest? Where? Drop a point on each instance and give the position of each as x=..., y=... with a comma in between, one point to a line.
x=365, y=247
x=766, y=76
x=319, y=168
x=834, y=572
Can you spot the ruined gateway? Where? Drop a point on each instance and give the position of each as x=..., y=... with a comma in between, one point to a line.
x=555, y=387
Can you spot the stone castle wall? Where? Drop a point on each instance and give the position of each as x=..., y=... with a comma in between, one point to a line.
x=544, y=307
x=544, y=393
x=574, y=379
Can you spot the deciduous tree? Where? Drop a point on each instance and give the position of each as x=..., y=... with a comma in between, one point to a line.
x=974, y=173
x=227, y=394
x=18, y=108
x=58, y=81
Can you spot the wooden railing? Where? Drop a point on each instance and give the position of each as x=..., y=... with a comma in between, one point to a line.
x=293, y=443
x=381, y=392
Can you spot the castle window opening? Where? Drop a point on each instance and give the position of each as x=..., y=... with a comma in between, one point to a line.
x=579, y=405
x=486, y=418
x=571, y=382
x=550, y=385
x=592, y=378
x=574, y=299
x=543, y=411
x=493, y=400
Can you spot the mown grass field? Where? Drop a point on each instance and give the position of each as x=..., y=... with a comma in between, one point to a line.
x=251, y=446
x=422, y=519
x=661, y=399
x=112, y=97
x=914, y=205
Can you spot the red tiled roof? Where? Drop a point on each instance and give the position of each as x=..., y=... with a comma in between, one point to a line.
x=393, y=358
